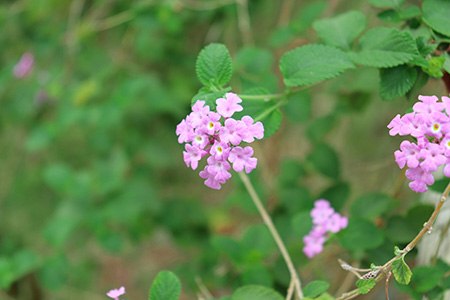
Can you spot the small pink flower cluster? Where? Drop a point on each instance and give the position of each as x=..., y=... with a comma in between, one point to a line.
x=116, y=293
x=24, y=66
x=205, y=133
x=325, y=220
x=429, y=124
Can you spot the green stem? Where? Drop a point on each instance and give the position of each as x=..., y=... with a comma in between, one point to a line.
x=273, y=231
x=269, y=110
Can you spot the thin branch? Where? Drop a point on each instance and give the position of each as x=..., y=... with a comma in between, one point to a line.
x=210, y=5
x=427, y=227
x=273, y=231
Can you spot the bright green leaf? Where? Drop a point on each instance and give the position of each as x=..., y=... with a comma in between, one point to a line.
x=345, y=28
x=365, y=285
x=315, y=288
x=436, y=15
x=396, y=81
x=214, y=66
x=166, y=286
x=402, y=273
x=313, y=63
x=255, y=292
x=385, y=47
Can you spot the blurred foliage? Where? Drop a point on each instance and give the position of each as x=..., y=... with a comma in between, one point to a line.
x=92, y=184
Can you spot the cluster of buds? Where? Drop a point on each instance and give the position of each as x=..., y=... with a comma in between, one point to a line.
x=429, y=125
x=218, y=136
x=325, y=220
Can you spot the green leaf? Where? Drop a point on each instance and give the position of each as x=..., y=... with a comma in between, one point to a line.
x=436, y=15
x=365, y=285
x=214, y=66
x=208, y=96
x=271, y=122
x=337, y=194
x=325, y=160
x=255, y=292
x=371, y=205
x=298, y=107
x=402, y=273
x=345, y=28
x=360, y=234
x=318, y=128
x=434, y=66
x=425, y=278
x=396, y=81
x=385, y=47
x=313, y=63
x=315, y=288
x=166, y=286
x=386, y=3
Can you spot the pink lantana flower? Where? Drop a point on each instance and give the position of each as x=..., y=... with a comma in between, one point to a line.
x=325, y=220
x=116, y=293
x=24, y=66
x=429, y=125
x=218, y=136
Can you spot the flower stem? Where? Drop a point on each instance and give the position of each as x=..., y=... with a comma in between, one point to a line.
x=273, y=231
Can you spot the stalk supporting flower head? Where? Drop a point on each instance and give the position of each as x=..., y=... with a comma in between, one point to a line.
x=325, y=220
x=429, y=126
x=218, y=136
x=116, y=293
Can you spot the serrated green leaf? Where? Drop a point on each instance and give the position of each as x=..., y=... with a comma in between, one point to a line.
x=386, y=3
x=365, y=285
x=315, y=288
x=313, y=63
x=434, y=66
x=396, y=81
x=346, y=27
x=325, y=160
x=385, y=47
x=402, y=272
x=214, y=66
x=255, y=292
x=166, y=286
x=272, y=122
x=436, y=15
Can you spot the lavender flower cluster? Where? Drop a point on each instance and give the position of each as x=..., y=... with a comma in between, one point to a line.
x=325, y=220
x=429, y=125
x=218, y=136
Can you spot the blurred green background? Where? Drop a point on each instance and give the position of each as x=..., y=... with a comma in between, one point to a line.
x=93, y=190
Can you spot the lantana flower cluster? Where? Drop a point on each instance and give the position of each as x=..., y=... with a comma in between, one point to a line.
x=429, y=125
x=218, y=136
x=325, y=220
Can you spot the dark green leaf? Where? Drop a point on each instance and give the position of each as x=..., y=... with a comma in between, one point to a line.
x=298, y=108
x=166, y=286
x=402, y=273
x=320, y=127
x=214, y=66
x=386, y=3
x=371, y=205
x=426, y=278
x=325, y=160
x=360, y=235
x=313, y=63
x=345, y=28
x=396, y=81
x=365, y=285
x=255, y=292
x=337, y=194
x=385, y=47
x=315, y=288
x=436, y=15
